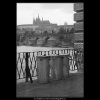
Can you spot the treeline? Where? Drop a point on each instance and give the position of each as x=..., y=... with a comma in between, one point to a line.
x=62, y=35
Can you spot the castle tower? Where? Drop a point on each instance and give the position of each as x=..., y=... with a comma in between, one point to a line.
x=38, y=19
x=33, y=21
x=38, y=16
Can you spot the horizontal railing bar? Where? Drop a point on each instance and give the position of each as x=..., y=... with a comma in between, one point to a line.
x=44, y=51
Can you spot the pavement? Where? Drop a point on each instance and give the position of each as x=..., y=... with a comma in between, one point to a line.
x=72, y=86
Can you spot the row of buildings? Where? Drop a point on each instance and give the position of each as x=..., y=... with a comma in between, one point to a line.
x=43, y=25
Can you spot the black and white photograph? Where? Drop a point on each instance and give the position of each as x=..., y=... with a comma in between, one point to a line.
x=50, y=50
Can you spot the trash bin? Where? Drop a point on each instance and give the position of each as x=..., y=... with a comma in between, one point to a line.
x=43, y=69
x=66, y=66
x=56, y=66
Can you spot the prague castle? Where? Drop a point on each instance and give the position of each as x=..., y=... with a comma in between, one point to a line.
x=40, y=22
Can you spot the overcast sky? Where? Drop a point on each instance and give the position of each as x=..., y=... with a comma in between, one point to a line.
x=54, y=12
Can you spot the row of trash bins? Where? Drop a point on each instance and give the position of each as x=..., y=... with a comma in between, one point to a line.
x=52, y=67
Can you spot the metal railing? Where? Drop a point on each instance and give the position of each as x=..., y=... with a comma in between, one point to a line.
x=29, y=59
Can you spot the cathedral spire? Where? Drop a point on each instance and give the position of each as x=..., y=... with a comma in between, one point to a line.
x=33, y=21
x=38, y=16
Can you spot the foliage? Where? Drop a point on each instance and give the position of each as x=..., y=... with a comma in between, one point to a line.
x=62, y=35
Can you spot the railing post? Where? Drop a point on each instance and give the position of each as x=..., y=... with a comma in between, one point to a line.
x=52, y=67
x=77, y=62
x=56, y=65
x=27, y=70
x=43, y=69
x=75, y=57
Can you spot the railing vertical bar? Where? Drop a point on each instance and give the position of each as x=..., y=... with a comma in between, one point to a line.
x=58, y=52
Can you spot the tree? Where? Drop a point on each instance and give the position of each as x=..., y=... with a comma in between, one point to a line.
x=61, y=34
x=69, y=36
x=72, y=31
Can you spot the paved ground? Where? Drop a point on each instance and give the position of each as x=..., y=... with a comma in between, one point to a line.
x=69, y=87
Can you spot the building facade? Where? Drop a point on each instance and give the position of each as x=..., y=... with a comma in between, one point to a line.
x=79, y=25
